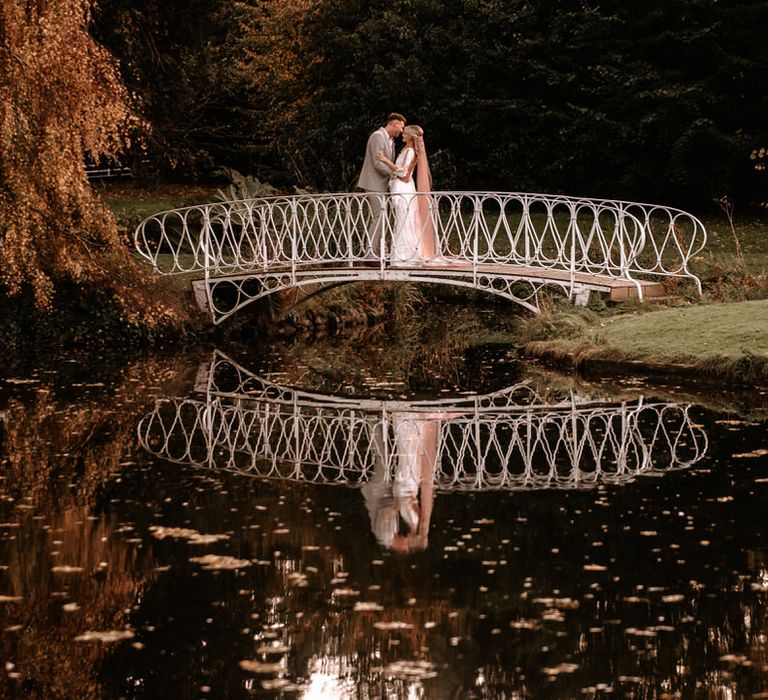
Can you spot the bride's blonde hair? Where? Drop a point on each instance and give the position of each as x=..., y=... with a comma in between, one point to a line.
x=417, y=133
x=424, y=183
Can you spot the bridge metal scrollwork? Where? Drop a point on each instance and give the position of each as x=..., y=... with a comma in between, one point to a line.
x=507, y=440
x=508, y=244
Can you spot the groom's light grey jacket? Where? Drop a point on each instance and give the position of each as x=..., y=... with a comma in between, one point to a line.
x=375, y=176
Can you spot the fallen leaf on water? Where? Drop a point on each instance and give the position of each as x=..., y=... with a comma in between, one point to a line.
x=755, y=453
x=273, y=649
x=105, y=636
x=411, y=669
x=212, y=562
x=254, y=666
x=192, y=536
x=562, y=668
x=674, y=598
x=345, y=592
x=393, y=625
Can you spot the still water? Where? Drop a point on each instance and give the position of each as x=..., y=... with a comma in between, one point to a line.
x=392, y=515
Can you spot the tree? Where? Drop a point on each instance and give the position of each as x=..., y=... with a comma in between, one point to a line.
x=174, y=56
x=276, y=54
x=61, y=99
x=599, y=97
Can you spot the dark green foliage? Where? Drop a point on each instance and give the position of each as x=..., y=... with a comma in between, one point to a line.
x=655, y=100
x=175, y=57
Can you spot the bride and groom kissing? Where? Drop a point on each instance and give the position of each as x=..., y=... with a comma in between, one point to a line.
x=404, y=177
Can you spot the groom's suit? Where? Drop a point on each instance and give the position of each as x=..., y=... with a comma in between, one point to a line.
x=374, y=175
x=374, y=179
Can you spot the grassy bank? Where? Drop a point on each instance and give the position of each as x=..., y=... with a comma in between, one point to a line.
x=722, y=333
x=724, y=340
x=691, y=334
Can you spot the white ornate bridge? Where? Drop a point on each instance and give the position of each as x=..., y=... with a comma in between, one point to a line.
x=506, y=440
x=509, y=244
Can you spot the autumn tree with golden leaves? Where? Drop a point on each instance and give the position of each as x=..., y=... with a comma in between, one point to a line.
x=61, y=99
x=278, y=55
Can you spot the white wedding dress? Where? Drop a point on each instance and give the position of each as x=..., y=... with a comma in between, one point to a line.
x=406, y=236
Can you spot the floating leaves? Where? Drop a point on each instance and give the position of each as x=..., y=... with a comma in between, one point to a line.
x=106, y=637
x=218, y=562
x=254, y=666
x=735, y=659
x=527, y=583
x=191, y=536
x=393, y=625
x=525, y=624
x=760, y=452
x=561, y=603
x=562, y=668
x=412, y=670
x=345, y=592
x=273, y=649
x=673, y=598
x=298, y=579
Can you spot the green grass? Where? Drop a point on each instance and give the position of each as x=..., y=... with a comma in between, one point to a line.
x=689, y=334
x=721, y=248
x=722, y=340
x=132, y=203
x=724, y=332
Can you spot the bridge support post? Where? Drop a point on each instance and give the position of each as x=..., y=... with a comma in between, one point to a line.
x=200, y=288
x=580, y=295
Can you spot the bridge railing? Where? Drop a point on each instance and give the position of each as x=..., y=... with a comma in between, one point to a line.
x=612, y=238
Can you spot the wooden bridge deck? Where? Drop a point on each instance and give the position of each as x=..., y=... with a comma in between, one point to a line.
x=613, y=289
x=616, y=289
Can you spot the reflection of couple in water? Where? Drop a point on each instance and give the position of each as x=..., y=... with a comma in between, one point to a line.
x=405, y=177
x=399, y=500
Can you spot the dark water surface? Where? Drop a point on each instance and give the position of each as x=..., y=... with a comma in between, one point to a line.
x=390, y=516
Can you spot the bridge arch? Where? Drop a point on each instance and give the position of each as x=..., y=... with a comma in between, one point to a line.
x=509, y=244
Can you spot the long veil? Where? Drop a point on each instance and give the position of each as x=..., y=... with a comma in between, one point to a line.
x=428, y=239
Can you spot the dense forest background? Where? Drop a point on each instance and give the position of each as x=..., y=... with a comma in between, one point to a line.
x=651, y=100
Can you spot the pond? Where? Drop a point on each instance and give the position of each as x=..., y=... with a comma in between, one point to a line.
x=402, y=513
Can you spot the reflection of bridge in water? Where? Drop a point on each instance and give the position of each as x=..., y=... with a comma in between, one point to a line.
x=507, y=440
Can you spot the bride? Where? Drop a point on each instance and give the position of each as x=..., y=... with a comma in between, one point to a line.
x=414, y=236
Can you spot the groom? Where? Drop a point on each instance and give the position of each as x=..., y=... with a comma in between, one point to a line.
x=375, y=176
